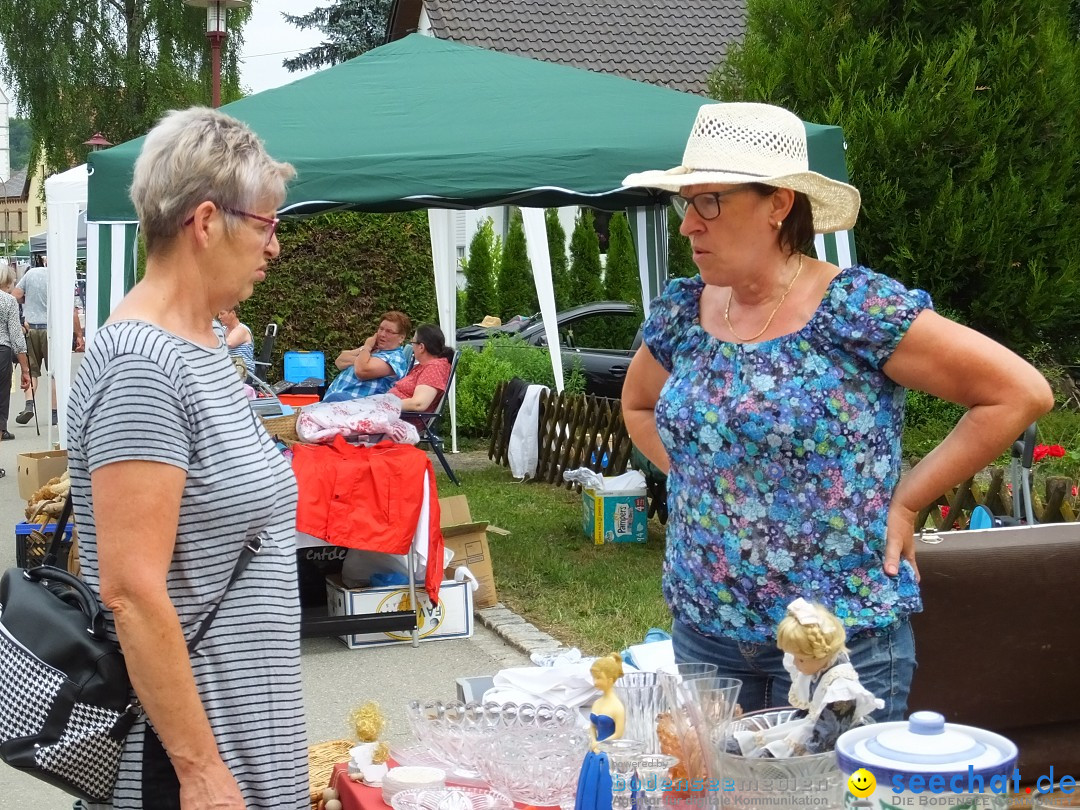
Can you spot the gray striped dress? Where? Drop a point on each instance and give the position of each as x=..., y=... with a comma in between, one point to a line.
x=145, y=394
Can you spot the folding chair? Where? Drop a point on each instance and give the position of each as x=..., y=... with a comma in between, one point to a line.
x=427, y=423
x=262, y=362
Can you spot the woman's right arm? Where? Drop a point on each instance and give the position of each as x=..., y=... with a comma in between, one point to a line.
x=641, y=390
x=133, y=587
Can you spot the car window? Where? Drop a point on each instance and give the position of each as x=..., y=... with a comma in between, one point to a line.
x=613, y=331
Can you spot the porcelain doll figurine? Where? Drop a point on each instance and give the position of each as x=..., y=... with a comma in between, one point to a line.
x=824, y=685
x=605, y=722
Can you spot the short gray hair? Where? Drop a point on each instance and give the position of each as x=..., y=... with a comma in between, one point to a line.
x=7, y=276
x=196, y=155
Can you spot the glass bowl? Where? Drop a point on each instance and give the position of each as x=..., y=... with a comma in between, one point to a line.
x=454, y=731
x=450, y=798
x=538, y=766
x=780, y=782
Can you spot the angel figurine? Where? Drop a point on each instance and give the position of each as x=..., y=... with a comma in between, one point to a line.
x=824, y=686
x=605, y=723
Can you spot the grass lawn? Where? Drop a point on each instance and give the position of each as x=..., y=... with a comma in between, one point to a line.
x=597, y=598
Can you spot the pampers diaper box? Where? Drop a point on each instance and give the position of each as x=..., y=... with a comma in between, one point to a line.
x=617, y=512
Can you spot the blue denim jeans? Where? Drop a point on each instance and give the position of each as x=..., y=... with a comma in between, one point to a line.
x=885, y=663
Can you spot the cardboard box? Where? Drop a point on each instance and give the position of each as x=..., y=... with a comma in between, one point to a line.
x=36, y=470
x=468, y=540
x=619, y=516
x=452, y=618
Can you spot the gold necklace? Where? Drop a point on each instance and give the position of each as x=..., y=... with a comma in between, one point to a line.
x=768, y=323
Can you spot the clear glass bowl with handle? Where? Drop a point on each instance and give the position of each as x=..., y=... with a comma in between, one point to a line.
x=454, y=731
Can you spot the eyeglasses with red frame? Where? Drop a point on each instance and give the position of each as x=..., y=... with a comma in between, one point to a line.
x=271, y=222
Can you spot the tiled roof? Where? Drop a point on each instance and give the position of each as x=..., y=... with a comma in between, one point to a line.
x=15, y=186
x=672, y=43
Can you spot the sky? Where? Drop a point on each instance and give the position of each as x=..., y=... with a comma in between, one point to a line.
x=267, y=40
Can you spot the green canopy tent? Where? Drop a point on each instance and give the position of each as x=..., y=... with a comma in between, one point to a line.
x=426, y=123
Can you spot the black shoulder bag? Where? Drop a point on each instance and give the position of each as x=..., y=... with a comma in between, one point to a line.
x=65, y=696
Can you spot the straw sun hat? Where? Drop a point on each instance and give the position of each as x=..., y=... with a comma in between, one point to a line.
x=755, y=143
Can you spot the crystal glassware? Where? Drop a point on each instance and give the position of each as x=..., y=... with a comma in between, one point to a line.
x=450, y=798
x=653, y=778
x=454, y=731
x=690, y=670
x=642, y=696
x=781, y=782
x=711, y=705
x=622, y=756
x=537, y=766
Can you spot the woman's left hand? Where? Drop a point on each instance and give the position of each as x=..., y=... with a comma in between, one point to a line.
x=900, y=539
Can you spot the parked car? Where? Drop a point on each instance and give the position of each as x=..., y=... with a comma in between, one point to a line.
x=601, y=337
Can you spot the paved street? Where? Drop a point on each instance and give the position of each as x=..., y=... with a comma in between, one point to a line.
x=336, y=679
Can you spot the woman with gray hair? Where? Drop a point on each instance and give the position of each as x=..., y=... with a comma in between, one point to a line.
x=172, y=476
x=12, y=346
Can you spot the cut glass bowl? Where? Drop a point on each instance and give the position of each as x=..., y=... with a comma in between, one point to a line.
x=454, y=730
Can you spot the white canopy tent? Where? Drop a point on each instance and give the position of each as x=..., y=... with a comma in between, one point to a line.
x=65, y=201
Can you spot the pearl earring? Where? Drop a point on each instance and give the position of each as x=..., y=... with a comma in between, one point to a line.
x=779, y=225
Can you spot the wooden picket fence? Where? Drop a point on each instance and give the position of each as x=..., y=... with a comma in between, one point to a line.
x=953, y=509
x=576, y=430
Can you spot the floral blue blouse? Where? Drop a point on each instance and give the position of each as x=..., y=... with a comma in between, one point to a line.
x=784, y=456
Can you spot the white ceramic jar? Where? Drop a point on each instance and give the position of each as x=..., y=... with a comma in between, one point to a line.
x=926, y=762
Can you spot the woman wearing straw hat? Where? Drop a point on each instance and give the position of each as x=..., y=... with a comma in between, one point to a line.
x=771, y=388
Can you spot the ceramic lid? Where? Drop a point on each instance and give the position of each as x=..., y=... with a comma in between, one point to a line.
x=925, y=745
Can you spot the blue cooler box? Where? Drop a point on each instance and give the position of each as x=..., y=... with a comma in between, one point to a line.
x=619, y=516
x=300, y=366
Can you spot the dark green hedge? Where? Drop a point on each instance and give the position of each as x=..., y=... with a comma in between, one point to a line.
x=337, y=273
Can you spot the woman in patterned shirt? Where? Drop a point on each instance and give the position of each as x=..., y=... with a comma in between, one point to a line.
x=771, y=388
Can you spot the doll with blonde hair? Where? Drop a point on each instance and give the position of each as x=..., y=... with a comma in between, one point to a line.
x=605, y=723
x=824, y=687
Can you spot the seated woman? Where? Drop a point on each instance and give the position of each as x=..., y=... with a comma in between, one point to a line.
x=238, y=340
x=376, y=365
x=422, y=388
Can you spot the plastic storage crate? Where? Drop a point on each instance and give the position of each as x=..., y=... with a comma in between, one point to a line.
x=300, y=366
x=30, y=551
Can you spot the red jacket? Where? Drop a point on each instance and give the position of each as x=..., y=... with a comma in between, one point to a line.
x=368, y=498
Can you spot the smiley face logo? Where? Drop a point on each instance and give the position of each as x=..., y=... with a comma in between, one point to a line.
x=861, y=783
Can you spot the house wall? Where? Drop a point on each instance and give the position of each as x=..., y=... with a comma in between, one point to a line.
x=38, y=218
x=12, y=222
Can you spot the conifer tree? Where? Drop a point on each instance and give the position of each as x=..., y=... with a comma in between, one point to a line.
x=963, y=132
x=517, y=291
x=621, y=279
x=480, y=297
x=585, y=284
x=680, y=254
x=560, y=273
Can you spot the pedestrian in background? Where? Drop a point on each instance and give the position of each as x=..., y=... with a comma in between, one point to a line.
x=33, y=292
x=12, y=347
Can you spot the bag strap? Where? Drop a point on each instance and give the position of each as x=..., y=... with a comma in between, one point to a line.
x=250, y=549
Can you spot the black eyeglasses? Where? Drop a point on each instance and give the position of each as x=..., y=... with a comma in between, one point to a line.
x=707, y=203
x=272, y=223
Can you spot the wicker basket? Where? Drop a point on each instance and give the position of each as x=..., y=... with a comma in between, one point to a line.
x=322, y=757
x=282, y=428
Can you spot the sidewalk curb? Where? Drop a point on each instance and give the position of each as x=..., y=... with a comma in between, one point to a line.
x=517, y=632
